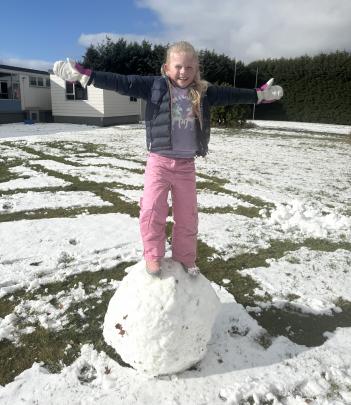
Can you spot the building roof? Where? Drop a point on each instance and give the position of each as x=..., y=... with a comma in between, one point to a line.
x=21, y=69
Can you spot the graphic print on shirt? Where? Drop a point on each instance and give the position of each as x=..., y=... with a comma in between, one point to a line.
x=183, y=135
x=182, y=110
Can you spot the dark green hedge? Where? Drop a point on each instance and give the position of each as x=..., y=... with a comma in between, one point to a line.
x=316, y=89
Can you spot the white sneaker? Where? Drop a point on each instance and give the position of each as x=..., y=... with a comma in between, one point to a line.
x=192, y=271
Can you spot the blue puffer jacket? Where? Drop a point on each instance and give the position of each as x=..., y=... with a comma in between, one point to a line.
x=155, y=90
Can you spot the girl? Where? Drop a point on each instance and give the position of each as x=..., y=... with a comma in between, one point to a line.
x=177, y=119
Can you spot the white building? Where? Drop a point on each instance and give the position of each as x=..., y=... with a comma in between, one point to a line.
x=74, y=104
x=24, y=94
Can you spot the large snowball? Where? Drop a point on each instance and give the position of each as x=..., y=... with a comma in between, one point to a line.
x=161, y=325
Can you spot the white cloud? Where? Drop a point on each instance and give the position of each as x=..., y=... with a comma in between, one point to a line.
x=26, y=63
x=252, y=29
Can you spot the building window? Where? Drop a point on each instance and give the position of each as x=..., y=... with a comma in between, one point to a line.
x=74, y=91
x=133, y=99
x=38, y=81
x=4, y=93
x=9, y=86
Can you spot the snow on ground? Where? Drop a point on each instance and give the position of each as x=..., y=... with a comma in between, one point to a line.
x=279, y=168
x=232, y=235
x=309, y=219
x=11, y=153
x=40, y=251
x=304, y=126
x=122, y=163
x=211, y=200
x=313, y=278
x=205, y=199
x=28, y=178
x=62, y=199
x=42, y=311
x=95, y=173
x=236, y=370
x=41, y=129
x=129, y=195
x=299, y=183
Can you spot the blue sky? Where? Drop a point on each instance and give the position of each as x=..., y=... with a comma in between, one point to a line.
x=37, y=33
x=47, y=31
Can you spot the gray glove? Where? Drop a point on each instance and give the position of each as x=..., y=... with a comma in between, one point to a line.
x=72, y=71
x=269, y=93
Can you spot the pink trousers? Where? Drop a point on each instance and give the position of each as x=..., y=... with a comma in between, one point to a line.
x=163, y=174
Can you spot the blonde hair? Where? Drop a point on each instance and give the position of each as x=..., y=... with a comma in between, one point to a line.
x=199, y=86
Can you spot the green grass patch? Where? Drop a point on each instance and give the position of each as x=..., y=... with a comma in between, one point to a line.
x=325, y=245
x=215, y=179
x=306, y=329
x=250, y=212
x=208, y=185
x=77, y=149
x=54, y=213
x=58, y=348
x=212, y=185
x=6, y=306
x=89, y=279
x=119, y=205
x=66, y=147
x=100, y=189
x=302, y=328
x=5, y=173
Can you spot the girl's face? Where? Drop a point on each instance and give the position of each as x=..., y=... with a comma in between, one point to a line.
x=181, y=68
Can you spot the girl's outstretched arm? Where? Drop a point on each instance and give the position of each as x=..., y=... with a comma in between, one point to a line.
x=221, y=95
x=129, y=85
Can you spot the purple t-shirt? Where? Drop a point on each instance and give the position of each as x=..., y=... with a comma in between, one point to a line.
x=184, y=143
